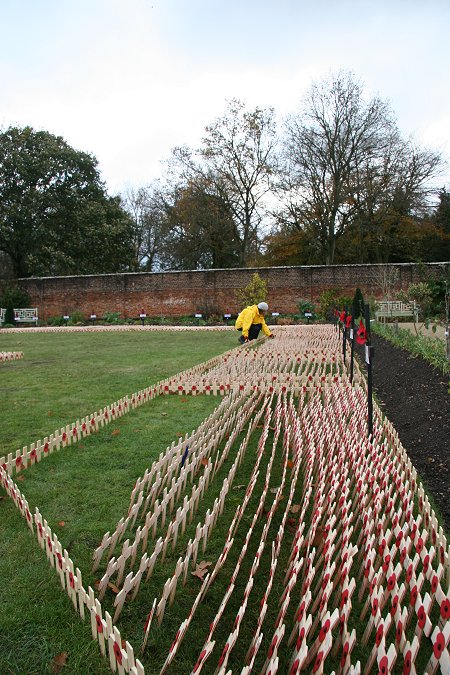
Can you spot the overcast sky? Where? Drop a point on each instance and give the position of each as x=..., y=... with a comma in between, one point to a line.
x=127, y=80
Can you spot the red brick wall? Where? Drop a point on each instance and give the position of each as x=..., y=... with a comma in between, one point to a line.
x=210, y=291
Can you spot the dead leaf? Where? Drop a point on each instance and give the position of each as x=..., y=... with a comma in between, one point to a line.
x=238, y=487
x=290, y=464
x=292, y=522
x=113, y=588
x=184, y=400
x=295, y=508
x=204, y=461
x=20, y=477
x=50, y=414
x=58, y=662
x=116, y=432
x=319, y=536
x=61, y=523
x=163, y=414
x=204, y=563
x=201, y=569
x=97, y=584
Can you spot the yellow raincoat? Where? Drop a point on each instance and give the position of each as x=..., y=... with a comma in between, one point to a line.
x=251, y=315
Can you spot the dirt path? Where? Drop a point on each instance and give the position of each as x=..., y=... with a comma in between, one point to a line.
x=414, y=397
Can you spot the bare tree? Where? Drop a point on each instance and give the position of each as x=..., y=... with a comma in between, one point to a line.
x=390, y=192
x=148, y=208
x=237, y=160
x=335, y=131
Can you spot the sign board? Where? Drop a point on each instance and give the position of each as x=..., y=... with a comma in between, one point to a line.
x=227, y=316
x=198, y=316
x=275, y=313
x=308, y=313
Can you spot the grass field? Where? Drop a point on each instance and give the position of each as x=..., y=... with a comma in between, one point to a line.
x=85, y=488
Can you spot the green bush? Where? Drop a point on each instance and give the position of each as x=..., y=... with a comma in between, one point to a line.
x=253, y=293
x=113, y=318
x=76, y=318
x=13, y=297
x=56, y=321
x=328, y=300
x=358, y=304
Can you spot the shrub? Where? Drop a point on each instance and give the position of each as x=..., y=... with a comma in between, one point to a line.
x=358, y=303
x=112, y=318
x=253, y=293
x=76, y=318
x=11, y=298
x=421, y=294
x=56, y=321
x=328, y=300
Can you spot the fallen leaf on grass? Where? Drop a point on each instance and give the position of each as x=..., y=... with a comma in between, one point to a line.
x=50, y=413
x=238, y=487
x=290, y=464
x=319, y=536
x=113, y=588
x=295, y=508
x=204, y=461
x=163, y=414
x=184, y=400
x=201, y=569
x=58, y=662
x=292, y=522
x=61, y=523
x=20, y=477
x=116, y=432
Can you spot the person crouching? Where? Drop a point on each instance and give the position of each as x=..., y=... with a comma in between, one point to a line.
x=251, y=320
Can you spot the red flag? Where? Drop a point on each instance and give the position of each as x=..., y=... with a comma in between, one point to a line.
x=348, y=321
x=361, y=334
x=342, y=316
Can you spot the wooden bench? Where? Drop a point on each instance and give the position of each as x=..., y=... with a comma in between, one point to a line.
x=26, y=315
x=393, y=309
x=2, y=316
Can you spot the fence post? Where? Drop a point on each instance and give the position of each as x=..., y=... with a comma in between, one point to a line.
x=352, y=347
x=369, y=356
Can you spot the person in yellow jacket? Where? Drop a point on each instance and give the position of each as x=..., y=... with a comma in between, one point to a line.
x=251, y=320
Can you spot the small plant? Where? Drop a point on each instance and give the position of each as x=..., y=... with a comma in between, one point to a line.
x=112, y=318
x=253, y=293
x=56, y=321
x=306, y=307
x=419, y=293
x=76, y=318
x=327, y=302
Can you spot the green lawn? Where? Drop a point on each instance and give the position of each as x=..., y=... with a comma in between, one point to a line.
x=87, y=486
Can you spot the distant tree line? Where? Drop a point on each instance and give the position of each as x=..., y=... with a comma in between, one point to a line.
x=337, y=184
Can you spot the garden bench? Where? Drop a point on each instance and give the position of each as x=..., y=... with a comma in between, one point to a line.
x=26, y=315
x=2, y=316
x=395, y=309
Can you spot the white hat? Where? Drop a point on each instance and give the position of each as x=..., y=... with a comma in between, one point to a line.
x=263, y=306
